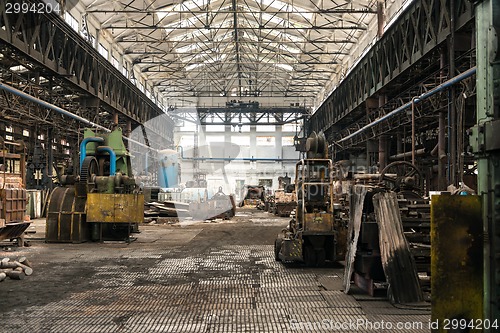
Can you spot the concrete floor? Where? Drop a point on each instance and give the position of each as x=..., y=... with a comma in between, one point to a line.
x=196, y=277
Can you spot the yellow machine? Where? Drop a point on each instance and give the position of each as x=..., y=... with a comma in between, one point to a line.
x=312, y=234
x=103, y=202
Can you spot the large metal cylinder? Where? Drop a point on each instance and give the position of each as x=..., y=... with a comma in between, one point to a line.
x=66, y=217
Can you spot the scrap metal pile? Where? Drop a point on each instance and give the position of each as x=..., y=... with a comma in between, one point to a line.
x=254, y=196
x=198, y=206
x=389, y=225
x=220, y=206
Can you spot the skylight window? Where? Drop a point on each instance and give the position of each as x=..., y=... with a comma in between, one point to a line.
x=285, y=67
x=287, y=36
x=185, y=6
x=192, y=66
x=280, y=5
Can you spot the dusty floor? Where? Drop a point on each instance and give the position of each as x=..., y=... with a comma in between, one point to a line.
x=201, y=277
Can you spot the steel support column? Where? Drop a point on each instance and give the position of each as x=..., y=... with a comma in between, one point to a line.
x=486, y=145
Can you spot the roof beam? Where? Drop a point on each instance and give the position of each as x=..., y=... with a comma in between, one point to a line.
x=276, y=27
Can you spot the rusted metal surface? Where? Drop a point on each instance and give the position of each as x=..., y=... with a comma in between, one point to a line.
x=115, y=208
x=397, y=261
x=284, y=209
x=13, y=196
x=66, y=217
x=13, y=204
x=358, y=194
x=318, y=223
x=13, y=230
x=457, y=257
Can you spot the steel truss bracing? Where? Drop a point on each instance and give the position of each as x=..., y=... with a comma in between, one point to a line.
x=254, y=48
x=237, y=114
x=246, y=114
x=41, y=54
x=407, y=53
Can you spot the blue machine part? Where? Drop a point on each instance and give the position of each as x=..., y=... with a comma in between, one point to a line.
x=168, y=171
x=83, y=147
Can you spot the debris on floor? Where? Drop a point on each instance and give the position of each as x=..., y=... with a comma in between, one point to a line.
x=15, y=269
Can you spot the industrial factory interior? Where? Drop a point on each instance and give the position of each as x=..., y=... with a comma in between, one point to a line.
x=249, y=166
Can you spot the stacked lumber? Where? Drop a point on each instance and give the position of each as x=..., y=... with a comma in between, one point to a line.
x=15, y=269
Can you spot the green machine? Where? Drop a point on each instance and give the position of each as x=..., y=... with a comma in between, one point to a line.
x=103, y=202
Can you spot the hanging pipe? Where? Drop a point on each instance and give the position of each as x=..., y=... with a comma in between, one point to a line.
x=112, y=158
x=53, y=107
x=50, y=106
x=83, y=147
x=447, y=84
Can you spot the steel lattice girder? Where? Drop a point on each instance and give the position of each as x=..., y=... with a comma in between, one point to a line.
x=418, y=33
x=251, y=116
x=47, y=42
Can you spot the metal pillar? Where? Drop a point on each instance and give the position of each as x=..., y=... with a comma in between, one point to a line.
x=382, y=152
x=50, y=155
x=452, y=110
x=383, y=155
x=486, y=146
x=380, y=18
x=441, y=154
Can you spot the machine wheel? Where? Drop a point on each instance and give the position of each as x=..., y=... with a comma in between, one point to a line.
x=89, y=168
x=407, y=176
x=277, y=248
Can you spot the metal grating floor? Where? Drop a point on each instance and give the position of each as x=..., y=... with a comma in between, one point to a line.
x=232, y=288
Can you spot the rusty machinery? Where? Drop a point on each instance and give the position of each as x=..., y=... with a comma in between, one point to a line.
x=103, y=202
x=254, y=195
x=313, y=233
x=406, y=180
x=220, y=206
x=284, y=200
x=13, y=196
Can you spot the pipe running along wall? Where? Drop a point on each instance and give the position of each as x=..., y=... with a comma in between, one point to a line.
x=445, y=85
x=53, y=107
